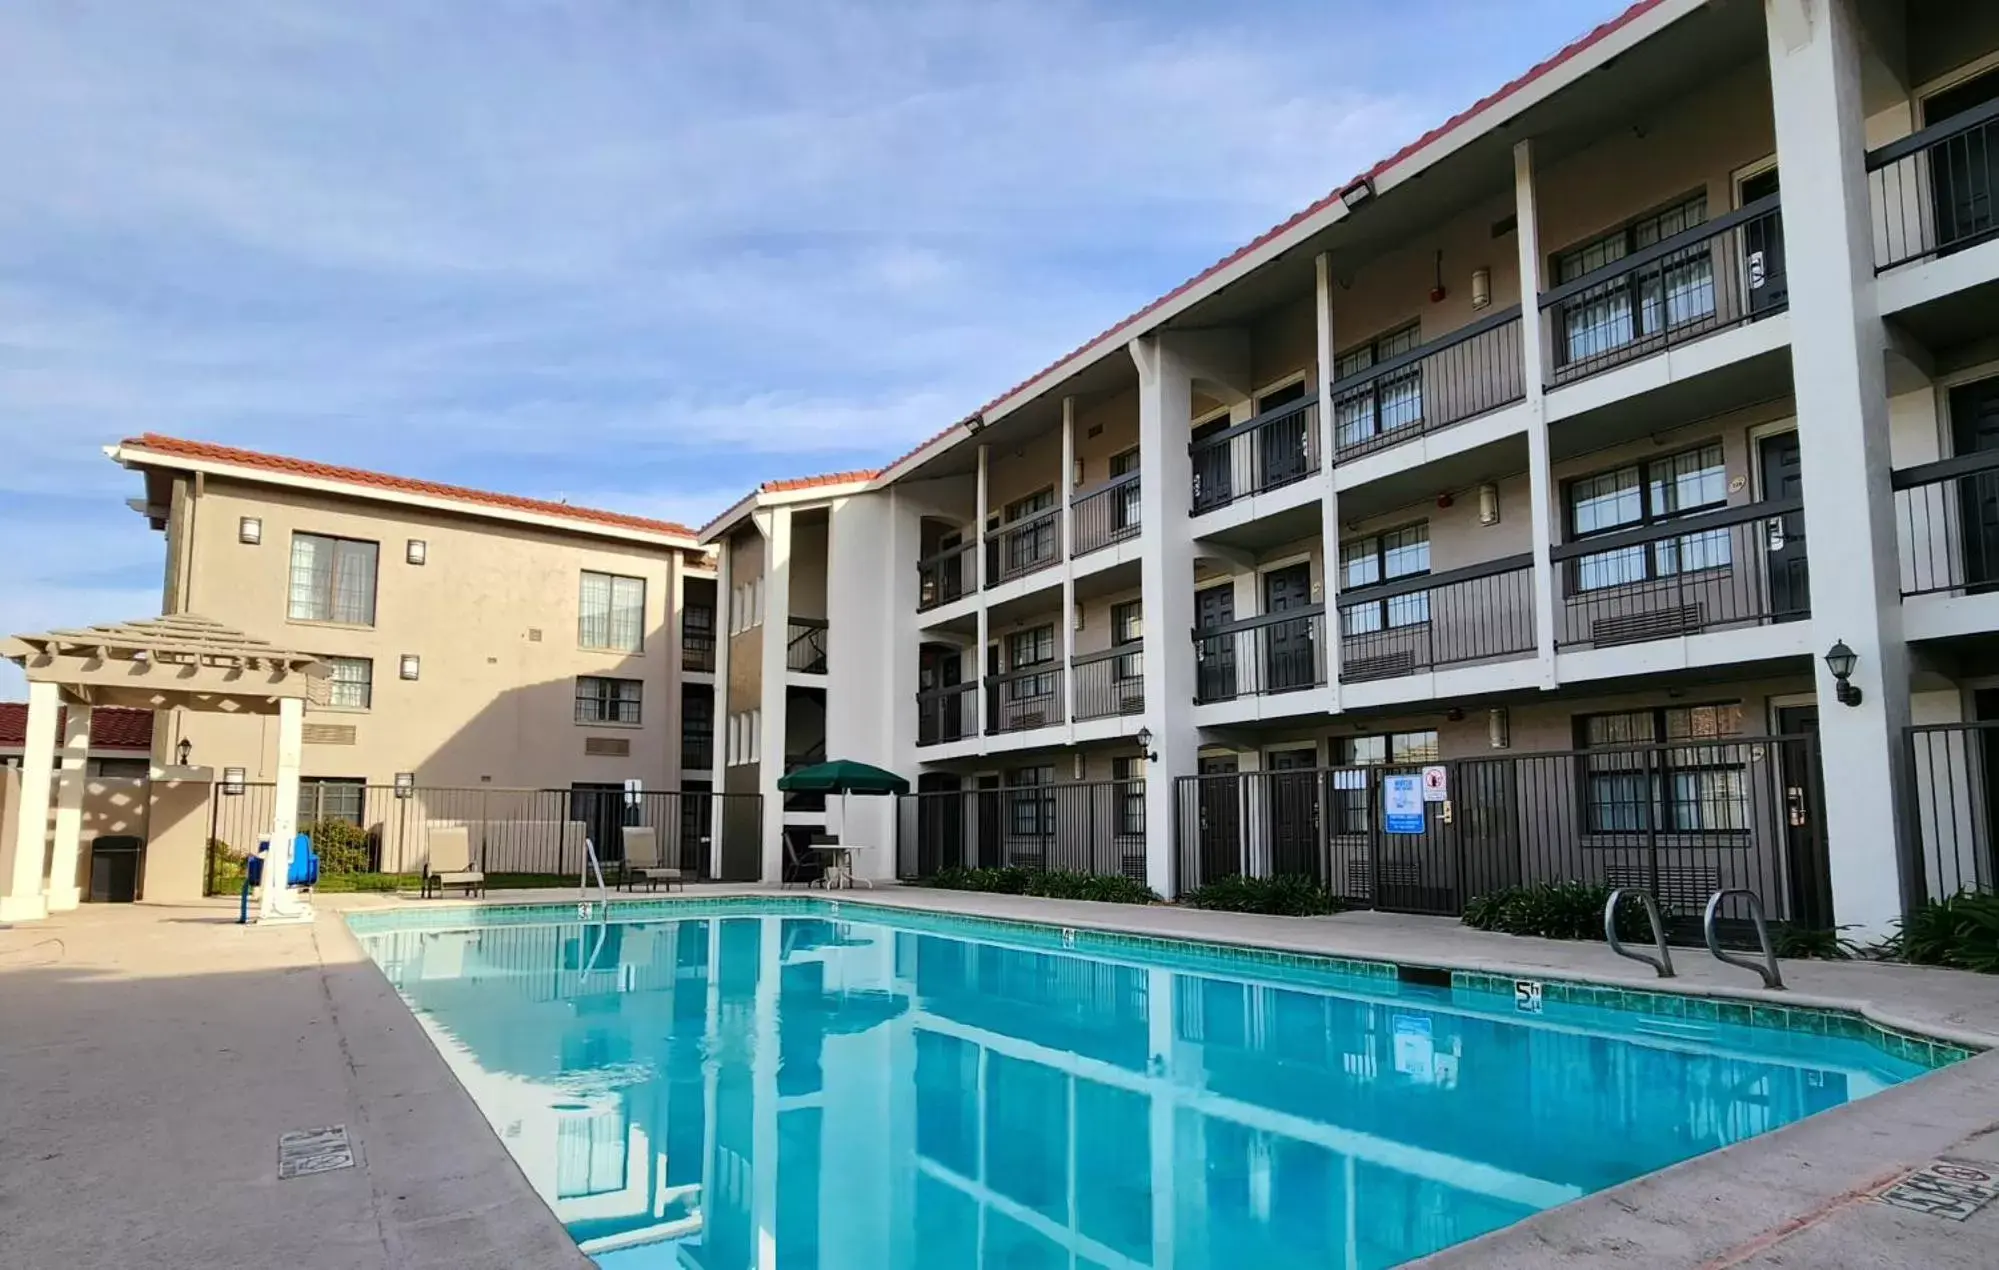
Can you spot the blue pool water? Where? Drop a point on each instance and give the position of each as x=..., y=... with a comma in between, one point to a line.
x=869, y=1090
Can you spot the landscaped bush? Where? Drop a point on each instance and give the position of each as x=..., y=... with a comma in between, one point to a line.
x=343, y=883
x=1557, y=910
x=343, y=847
x=1787, y=940
x=1287, y=896
x=1058, y=884
x=1961, y=932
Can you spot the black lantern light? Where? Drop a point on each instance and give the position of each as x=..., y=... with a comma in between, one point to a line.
x=1840, y=659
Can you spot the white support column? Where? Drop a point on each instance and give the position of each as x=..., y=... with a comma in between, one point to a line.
x=1540, y=475
x=776, y=526
x=276, y=901
x=1837, y=349
x=1066, y=537
x=64, y=894
x=1166, y=571
x=21, y=897
x=979, y=572
x=718, y=762
x=1329, y=510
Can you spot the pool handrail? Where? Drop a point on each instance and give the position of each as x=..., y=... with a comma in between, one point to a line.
x=1773, y=978
x=1663, y=963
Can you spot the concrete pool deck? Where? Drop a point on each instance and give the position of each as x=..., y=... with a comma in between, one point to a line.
x=152, y=1055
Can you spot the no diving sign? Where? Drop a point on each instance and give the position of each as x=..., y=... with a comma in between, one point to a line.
x=1436, y=783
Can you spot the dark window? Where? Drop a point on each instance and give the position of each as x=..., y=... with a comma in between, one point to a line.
x=1394, y=401
x=1649, y=300
x=1026, y=649
x=1128, y=777
x=1128, y=627
x=123, y=769
x=1699, y=787
x=332, y=580
x=1124, y=462
x=1397, y=553
x=352, y=685
x=600, y=700
x=1654, y=492
x=1031, y=801
x=330, y=798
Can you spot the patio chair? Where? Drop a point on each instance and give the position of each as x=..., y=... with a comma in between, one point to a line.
x=801, y=867
x=642, y=861
x=450, y=862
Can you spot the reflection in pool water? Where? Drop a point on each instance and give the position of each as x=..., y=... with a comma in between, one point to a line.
x=802, y=1092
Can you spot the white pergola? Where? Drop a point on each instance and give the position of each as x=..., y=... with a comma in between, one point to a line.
x=176, y=662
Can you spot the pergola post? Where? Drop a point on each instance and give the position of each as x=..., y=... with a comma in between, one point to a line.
x=278, y=903
x=64, y=894
x=21, y=897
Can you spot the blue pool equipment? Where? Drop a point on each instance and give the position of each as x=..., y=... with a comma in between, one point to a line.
x=304, y=871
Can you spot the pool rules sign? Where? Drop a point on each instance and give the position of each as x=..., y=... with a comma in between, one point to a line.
x=1402, y=803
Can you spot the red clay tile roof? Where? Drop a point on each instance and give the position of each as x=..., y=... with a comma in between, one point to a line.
x=111, y=727
x=812, y=482
x=1568, y=52
x=207, y=451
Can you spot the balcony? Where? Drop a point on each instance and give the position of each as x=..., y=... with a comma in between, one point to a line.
x=697, y=748
x=1947, y=516
x=805, y=646
x=1933, y=192
x=697, y=640
x=1731, y=567
x=1260, y=656
x=1025, y=699
x=944, y=715
x=1106, y=515
x=1278, y=447
x=1111, y=682
x=1716, y=275
x=1028, y=545
x=1483, y=612
x=1446, y=381
x=945, y=576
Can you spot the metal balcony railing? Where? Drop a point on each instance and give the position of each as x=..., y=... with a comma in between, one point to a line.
x=1277, y=652
x=948, y=714
x=1936, y=191
x=1032, y=543
x=1947, y=517
x=1478, y=613
x=1276, y=448
x=1446, y=381
x=946, y=576
x=805, y=647
x=697, y=639
x=1720, y=273
x=1734, y=566
x=1111, y=682
x=1024, y=699
x=1107, y=514
x=697, y=748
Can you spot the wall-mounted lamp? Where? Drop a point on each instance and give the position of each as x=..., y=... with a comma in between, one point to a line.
x=411, y=666
x=417, y=551
x=1144, y=739
x=1488, y=504
x=1357, y=193
x=1840, y=660
x=1498, y=728
x=184, y=751
x=405, y=784
x=1481, y=288
x=232, y=781
x=250, y=529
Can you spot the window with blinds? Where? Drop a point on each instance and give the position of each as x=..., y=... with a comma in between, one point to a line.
x=332, y=580
x=611, y=613
x=352, y=684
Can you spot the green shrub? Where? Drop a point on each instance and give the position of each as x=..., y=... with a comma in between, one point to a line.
x=992, y=881
x=1787, y=940
x=343, y=847
x=1059, y=884
x=1556, y=910
x=1961, y=932
x=1285, y=896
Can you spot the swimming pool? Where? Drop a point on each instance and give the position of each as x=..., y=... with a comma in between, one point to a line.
x=728, y=1084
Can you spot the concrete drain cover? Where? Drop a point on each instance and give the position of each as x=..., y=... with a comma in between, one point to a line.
x=1945, y=1188
x=303, y=1152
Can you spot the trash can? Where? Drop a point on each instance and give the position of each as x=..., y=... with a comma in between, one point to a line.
x=114, y=868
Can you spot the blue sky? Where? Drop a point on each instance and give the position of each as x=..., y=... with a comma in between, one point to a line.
x=636, y=253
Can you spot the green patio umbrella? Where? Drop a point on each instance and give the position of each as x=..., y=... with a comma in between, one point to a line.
x=842, y=776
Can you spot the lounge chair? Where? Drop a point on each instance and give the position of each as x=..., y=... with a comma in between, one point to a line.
x=642, y=862
x=450, y=862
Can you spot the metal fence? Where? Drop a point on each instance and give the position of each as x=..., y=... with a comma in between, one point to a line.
x=1953, y=775
x=1275, y=448
x=1277, y=652
x=1682, y=820
x=1107, y=514
x=1110, y=682
x=948, y=714
x=1025, y=699
x=1947, y=523
x=1934, y=191
x=1029, y=544
x=1479, y=613
x=1088, y=827
x=1714, y=275
x=1446, y=381
x=511, y=830
x=949, y=575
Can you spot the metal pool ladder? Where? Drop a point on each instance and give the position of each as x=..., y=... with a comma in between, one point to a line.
x=592, y=864
x=1767, y=967
x=1663, y=963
